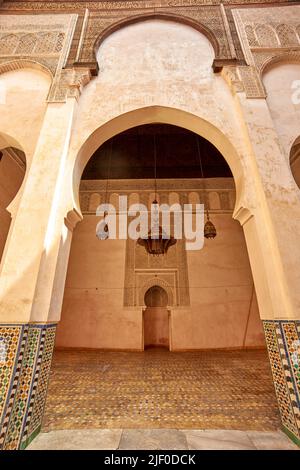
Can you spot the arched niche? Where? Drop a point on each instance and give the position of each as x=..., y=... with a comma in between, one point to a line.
x=156, y=296
x=155, y=51
x=281, y=81
x=295, y=161
x=12, y=173
x=24, y=87
x=159, y=17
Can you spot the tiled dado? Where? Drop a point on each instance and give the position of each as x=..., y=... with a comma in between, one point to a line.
x=25, y=360
x=283, y=342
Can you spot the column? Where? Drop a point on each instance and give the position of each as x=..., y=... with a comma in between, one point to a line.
x=272, y=232
x=32, y=282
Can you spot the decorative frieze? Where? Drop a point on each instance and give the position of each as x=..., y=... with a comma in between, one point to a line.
x=217, y=193
x=121, y=4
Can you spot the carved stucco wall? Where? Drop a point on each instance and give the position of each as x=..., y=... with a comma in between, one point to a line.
x=39, y=40
x=244, y=40
x=268, y=35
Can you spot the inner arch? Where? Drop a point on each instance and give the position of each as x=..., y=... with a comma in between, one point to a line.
x=157, y=115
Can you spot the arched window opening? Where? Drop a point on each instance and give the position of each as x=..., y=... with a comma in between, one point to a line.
x=12, y=172
x=156, y=296
x=295, y=161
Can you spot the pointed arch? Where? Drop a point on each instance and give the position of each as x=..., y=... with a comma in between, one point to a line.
x=157, y=16
x=24, y=64
x=152, y=115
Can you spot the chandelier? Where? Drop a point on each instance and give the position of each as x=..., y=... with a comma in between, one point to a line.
x=157, y=242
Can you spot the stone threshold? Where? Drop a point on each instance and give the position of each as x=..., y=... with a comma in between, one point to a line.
x=161, y=439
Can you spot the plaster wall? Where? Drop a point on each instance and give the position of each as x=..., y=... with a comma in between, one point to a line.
x=23, y=105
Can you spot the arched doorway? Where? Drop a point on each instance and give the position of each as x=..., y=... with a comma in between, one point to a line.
x=108, y=299
x=12, y=172
x=210, y=294
x=295, y=161
x=156, y=318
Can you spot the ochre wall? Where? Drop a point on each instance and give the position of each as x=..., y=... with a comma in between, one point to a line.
x=220, y=291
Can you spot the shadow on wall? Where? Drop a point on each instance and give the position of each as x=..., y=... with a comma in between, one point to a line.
x=12, y=172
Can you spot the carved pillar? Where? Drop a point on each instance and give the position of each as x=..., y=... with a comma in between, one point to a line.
x=32, y=282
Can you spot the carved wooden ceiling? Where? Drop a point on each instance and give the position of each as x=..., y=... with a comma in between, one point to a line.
x=132, y=155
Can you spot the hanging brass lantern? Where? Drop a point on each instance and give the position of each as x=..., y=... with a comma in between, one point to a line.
x=209, y=228
x=156, y=242
x=102, y=231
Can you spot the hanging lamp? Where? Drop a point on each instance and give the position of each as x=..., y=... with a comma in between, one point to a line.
x=156, y=243
x=210, y=230
x=103, y=234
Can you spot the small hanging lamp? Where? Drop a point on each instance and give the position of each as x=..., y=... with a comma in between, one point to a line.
x=156, y=243
x=103, y=234
x=210, y=230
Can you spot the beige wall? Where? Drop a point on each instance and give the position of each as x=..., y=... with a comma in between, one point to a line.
x=23, y=105
x=221, y=293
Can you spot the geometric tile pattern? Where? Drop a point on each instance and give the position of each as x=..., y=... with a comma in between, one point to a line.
x=39, y=389
x=25, y=361
x=283, y=342
x=26, y=358
x=90, y=389
x=13, y=340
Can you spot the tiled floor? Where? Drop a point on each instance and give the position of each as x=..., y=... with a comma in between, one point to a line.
x=159, y=389
x=161, y=439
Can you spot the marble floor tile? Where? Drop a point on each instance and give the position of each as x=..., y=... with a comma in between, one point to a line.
x=271, y=441
x=218, y=440
x=83, y=439
x=161, y=439
x=153, y=439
